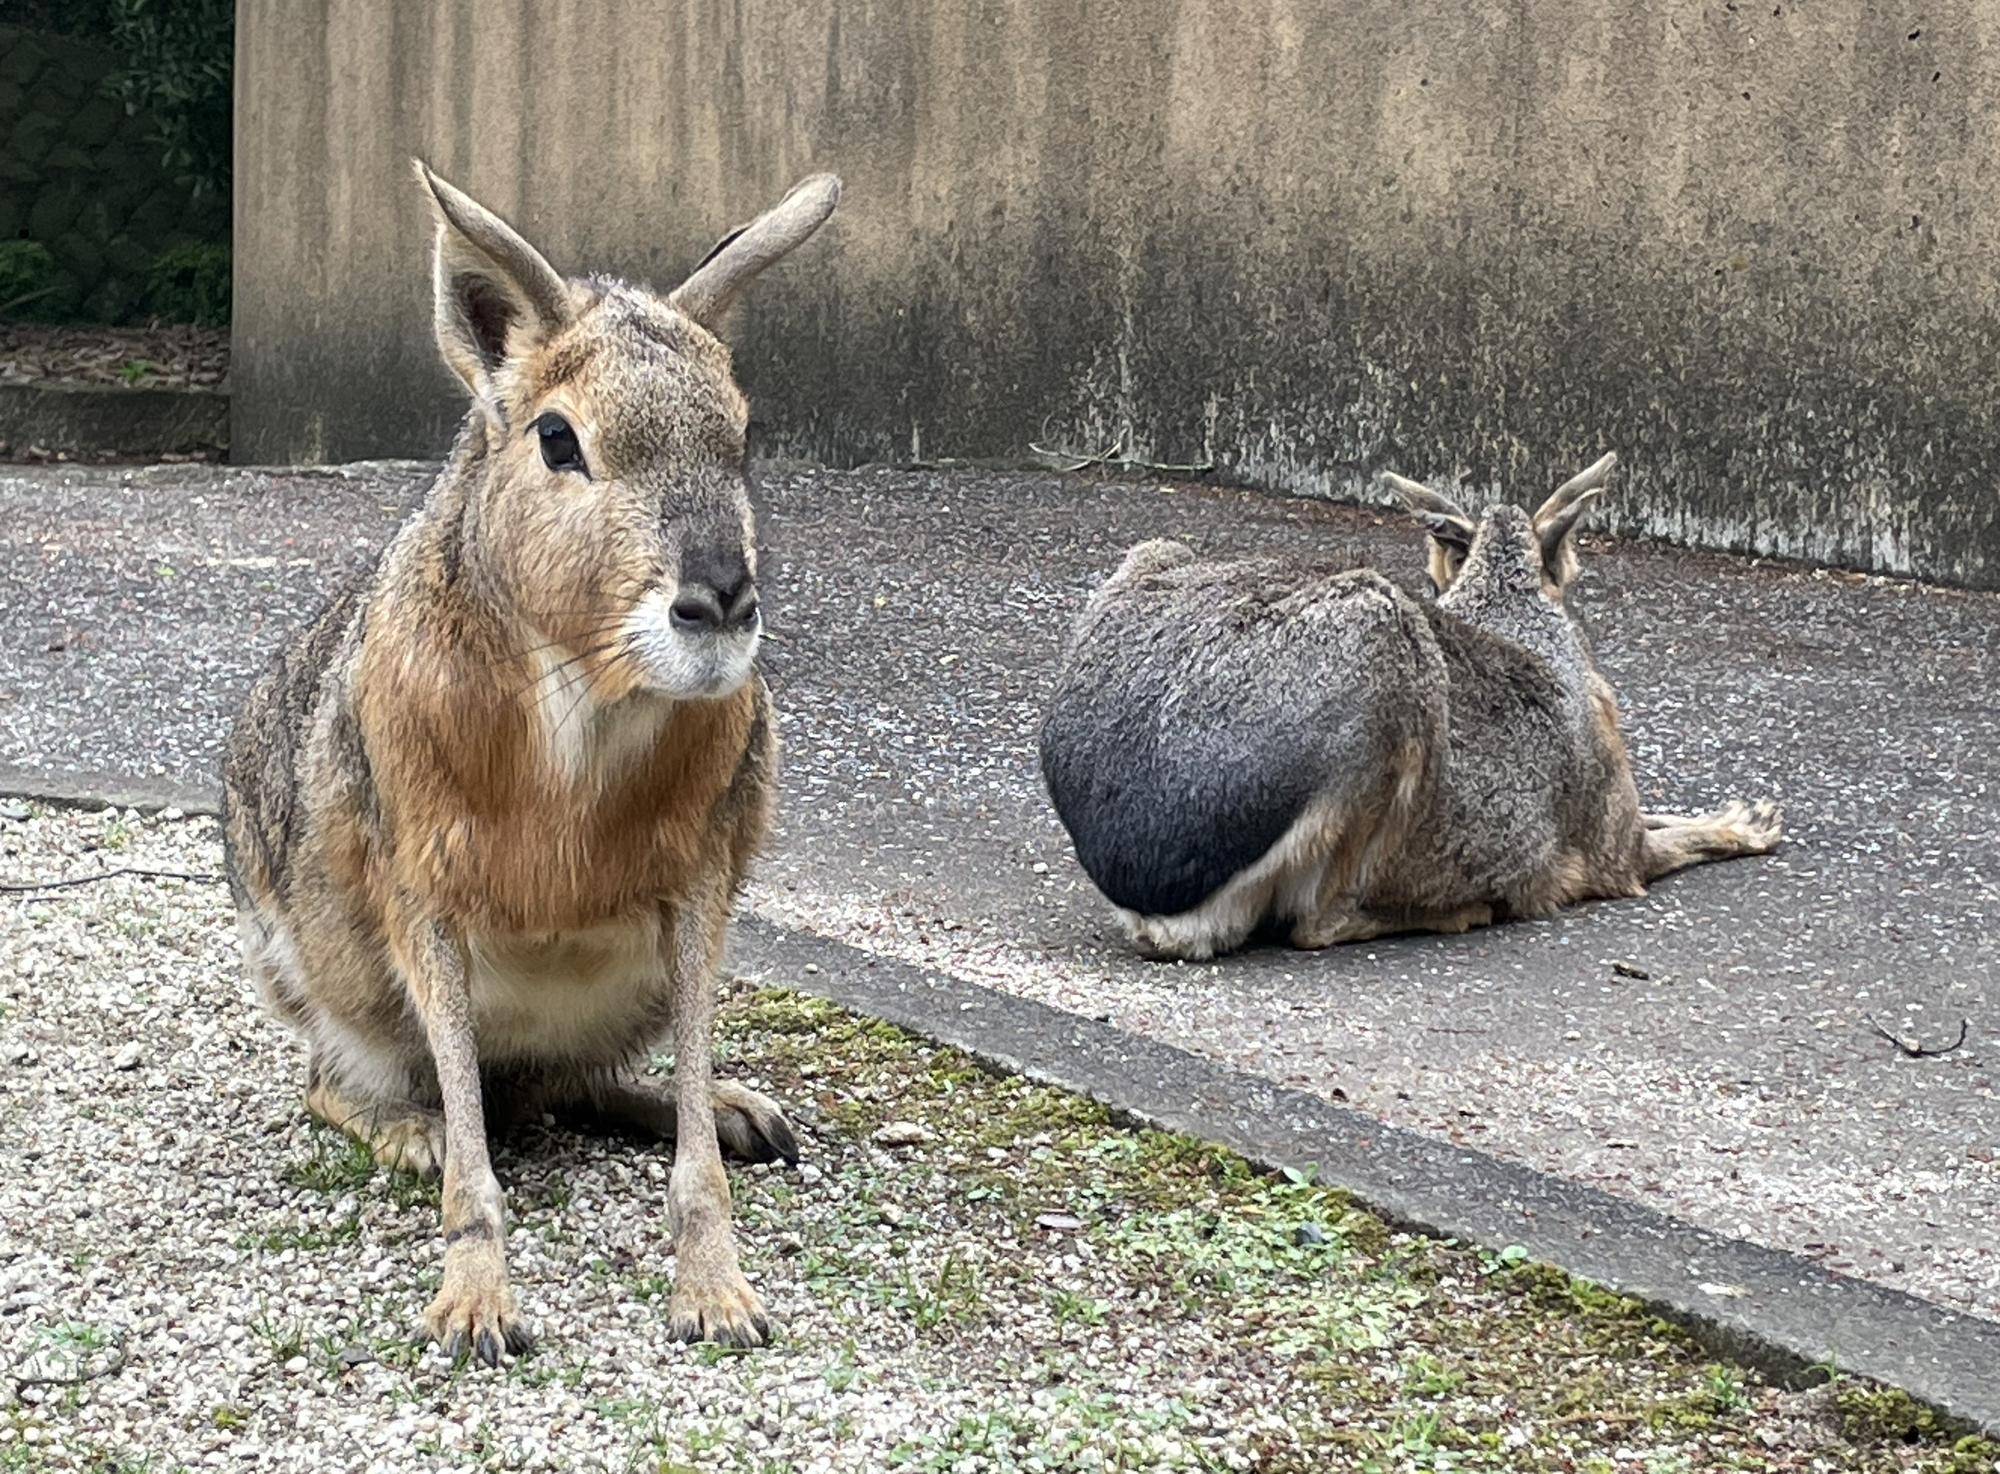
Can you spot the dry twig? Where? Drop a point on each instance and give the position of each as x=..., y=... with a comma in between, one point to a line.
x=1917, y=1050
x=135, y=872
x=1117, y=455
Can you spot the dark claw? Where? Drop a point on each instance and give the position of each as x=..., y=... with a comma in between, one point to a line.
x=780, y=1136
x=520, y=1340
x=764, y=1336
x=454, y=1349
x=489, y=1348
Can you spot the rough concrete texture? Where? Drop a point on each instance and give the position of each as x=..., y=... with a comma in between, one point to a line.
x=1747, y=244
x=915, y=621
x=87, y=420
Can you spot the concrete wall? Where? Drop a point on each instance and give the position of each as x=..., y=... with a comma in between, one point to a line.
x=1751, y=246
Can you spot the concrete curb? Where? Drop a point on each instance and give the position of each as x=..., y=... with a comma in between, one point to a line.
x=1774, y=1311
x=94, y=420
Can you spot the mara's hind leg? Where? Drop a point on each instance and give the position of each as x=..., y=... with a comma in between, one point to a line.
x=1672, y=842
x=403, y=1135
x=750, y=1126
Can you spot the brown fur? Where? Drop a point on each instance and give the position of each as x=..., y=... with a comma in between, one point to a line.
x=489, y=813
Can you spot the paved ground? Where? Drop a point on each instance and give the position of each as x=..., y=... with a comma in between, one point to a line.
x=974, y=1275
x=917, y=616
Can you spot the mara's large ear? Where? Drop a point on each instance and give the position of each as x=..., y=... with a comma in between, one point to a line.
x=1557, y=518
x=1445, y=520
x=496, y=298
x=740, y=256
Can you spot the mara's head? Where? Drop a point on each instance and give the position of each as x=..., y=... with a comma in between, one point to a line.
x=1505, y=545
x=613, y=511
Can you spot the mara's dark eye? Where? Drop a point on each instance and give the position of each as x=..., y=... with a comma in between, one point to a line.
x=560, y=452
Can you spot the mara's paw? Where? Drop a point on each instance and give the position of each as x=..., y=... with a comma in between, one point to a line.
x=1334, y=929
x=411, y=1143
x=1157, y=939
x=1757, y=827
x=719, y=1307
x=475, y=1315
x=752, y=1126
x=401, y=1136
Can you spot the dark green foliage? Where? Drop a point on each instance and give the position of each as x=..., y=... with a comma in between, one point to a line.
x=177, y=57
x=31, y=286
x=114, y=160
x=190, y=283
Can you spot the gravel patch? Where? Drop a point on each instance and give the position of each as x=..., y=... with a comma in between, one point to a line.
x=974, y=1274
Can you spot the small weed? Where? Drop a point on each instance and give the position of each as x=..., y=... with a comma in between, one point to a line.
x=277, y=1240
x=956, y=1294
x=283, y=1339
x=1068, y=1306
x=135, y=369
x=1426, y=1376
x=1723, y=1389
x=338, y=1164
x=840, y=1375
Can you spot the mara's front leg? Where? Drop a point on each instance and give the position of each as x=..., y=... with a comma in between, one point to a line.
x=474, y=1311
x=712, y=1301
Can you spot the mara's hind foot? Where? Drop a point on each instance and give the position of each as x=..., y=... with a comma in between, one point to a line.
x=1673, y=842
x=750, y=1126
x=1221, y=924
x=404, y=1136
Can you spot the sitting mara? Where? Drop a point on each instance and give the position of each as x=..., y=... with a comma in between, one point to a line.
x=487, y=813
x=1307, y=746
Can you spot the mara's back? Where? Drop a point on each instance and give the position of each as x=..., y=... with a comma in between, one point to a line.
x=1202, y=707
x=263, y=778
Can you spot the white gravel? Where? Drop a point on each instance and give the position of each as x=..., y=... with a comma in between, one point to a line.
x=974, y=1276
x=191, y=1274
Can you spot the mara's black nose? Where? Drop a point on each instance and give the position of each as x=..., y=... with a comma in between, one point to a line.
x=716, y=592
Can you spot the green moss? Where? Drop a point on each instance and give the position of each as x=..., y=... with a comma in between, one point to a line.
x=1874, y=1414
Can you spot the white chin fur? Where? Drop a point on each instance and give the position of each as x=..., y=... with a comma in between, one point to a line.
x=690, y=667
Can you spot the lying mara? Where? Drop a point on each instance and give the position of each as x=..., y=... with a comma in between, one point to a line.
x=1307, y=747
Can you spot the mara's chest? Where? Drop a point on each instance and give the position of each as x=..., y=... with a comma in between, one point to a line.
x=511, y=835
x=586, y=996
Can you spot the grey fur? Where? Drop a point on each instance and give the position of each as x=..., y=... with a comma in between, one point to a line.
x=1263, y=740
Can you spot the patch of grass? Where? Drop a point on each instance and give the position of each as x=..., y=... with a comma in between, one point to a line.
x=74, y=1336
x=276, y=1240
x=284, y=1339
x=844, y=1371
x=336, y=1165
x=1070, y=1308
x=1425, y=1376
x=954, y=1294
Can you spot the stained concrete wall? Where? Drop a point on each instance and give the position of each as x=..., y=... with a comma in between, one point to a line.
x=1751, y=246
